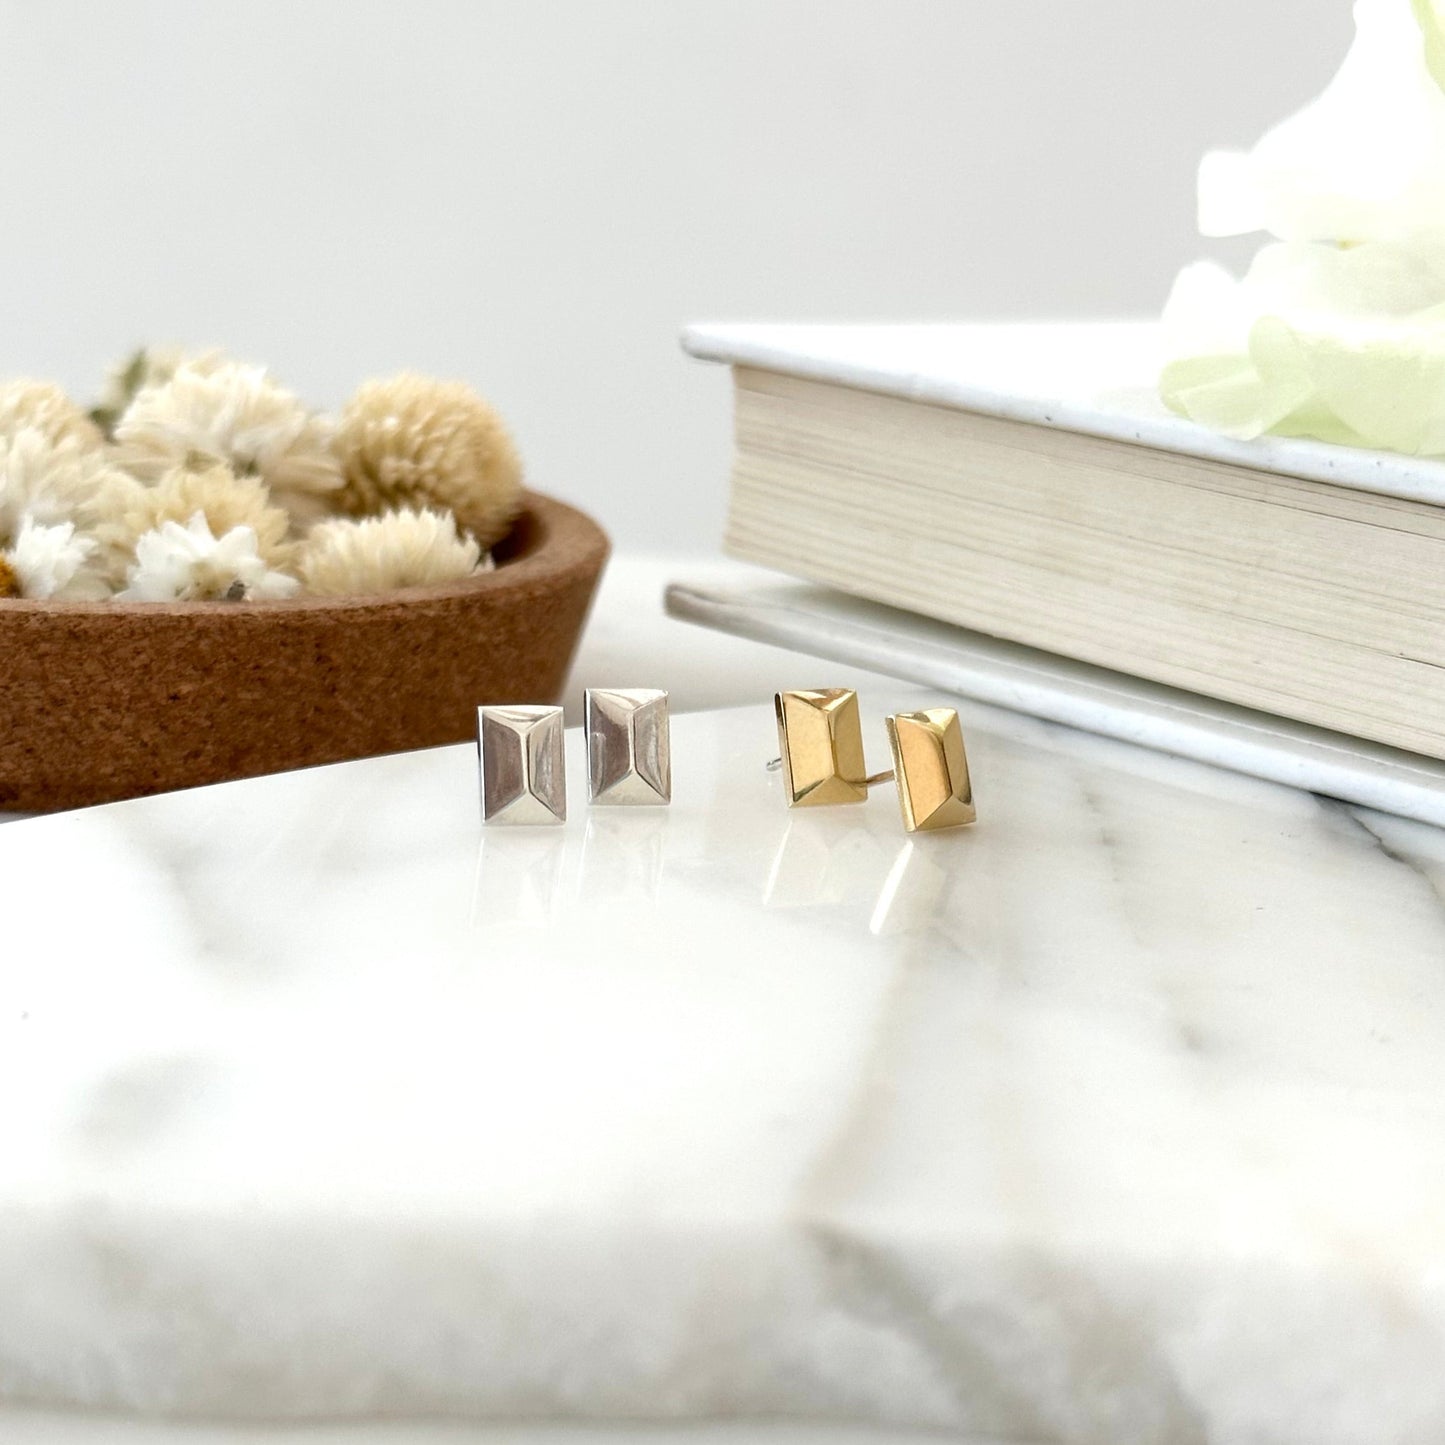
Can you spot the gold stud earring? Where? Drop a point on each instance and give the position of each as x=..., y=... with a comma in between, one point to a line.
x=820, y=738
x=931, y=766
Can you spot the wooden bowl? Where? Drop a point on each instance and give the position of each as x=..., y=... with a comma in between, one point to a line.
x=107, y=700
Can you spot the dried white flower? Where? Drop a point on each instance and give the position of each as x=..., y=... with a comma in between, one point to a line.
x=236, y=415
x=149, y=366
x=50, y=562
x=401, y=548
x=44, y=407
x=50, y=481
x=190, y=564
x=413, y=441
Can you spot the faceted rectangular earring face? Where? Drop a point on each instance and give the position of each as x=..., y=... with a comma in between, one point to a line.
x=524, y=777
x=821, y=740
x=629, y=747
x=931, y=769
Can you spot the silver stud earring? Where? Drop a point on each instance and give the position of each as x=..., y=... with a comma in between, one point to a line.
x=523, y=767
x=629, y=746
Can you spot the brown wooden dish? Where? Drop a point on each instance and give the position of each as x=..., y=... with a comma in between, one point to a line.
x=107, y=700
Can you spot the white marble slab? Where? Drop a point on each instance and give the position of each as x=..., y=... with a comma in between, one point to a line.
x=1117, y=1117
x=1096, y=377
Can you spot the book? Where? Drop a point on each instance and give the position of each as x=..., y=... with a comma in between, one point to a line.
x=1025, y=482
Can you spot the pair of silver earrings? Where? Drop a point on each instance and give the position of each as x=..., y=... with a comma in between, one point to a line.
x=524, y=767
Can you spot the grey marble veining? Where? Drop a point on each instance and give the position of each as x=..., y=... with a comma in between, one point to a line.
x=1116, y=1117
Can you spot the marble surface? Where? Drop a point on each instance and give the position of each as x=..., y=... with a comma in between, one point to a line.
x=1096, y=377
x=1114, y=1118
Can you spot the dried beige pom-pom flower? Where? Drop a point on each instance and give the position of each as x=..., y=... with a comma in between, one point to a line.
x=402, y=548
x=415, y=442
x=148, y=366
x=190, y=564
x=217, y=494
x=205, y=414
x=109, y=521
x=44, y=407
x=50, y=562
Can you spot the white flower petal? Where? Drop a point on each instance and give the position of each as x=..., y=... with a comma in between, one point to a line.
x=177, y=564
x=1363, y=160
x=47, y=561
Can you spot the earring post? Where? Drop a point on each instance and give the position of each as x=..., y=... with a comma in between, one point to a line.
x=773, y=764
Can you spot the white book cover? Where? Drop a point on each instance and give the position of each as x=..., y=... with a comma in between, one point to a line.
x=1096, y=378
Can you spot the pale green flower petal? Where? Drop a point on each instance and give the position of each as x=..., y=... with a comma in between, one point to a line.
x=1243, y=395
x=1389, y=391
x=1337, y=330
x=1377, y=384
x=1432, y=27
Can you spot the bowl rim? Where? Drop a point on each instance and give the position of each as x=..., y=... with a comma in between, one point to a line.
x=550, y=524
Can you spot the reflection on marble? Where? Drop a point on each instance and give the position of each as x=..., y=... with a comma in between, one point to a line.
x=521, y=881
x=1116, y=1117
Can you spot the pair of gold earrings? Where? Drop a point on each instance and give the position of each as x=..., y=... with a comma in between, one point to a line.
x=523, y=765
x=820, y=737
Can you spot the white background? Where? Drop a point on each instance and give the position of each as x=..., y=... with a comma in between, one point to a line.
x=535, y=196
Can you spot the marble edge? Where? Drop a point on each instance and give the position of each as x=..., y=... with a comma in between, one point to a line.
x=36, y=1425
x=1075, y=694
x=783, y=349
